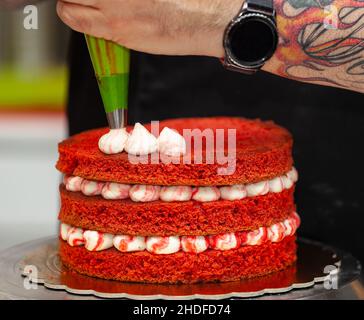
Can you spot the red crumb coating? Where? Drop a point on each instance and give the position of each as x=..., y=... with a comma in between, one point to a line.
x=263, y=151
x=181, y=267
x=174, y=218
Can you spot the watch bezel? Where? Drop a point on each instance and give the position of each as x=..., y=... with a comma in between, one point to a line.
x=230, y=59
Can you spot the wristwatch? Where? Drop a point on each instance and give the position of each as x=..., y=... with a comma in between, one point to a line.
x=251, y=38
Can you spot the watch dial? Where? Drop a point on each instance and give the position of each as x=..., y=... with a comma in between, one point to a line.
x=252, y=40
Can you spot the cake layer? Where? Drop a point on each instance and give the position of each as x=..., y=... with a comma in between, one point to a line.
x=174, y=218
x=263, y=151
x=181, y=267
x=281, y=279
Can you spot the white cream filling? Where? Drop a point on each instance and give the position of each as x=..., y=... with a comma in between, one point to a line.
x=141, y=142
x=114, y=141
x=147, y=193
x=97, y=241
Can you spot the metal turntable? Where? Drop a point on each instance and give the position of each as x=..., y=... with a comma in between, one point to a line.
x=33, y=271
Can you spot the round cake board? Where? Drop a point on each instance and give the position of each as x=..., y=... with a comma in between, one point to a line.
x=33, y=270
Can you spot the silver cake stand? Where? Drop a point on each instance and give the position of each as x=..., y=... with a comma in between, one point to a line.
x=33, y=271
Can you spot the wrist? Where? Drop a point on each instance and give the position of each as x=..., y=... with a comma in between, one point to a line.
x=212, y=42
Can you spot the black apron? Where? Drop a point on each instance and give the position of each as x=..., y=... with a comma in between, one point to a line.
x=327, y=125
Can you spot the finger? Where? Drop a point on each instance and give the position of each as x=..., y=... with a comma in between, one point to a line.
x=82, y=18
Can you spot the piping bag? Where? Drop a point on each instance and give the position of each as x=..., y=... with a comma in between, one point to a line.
x=111, y=64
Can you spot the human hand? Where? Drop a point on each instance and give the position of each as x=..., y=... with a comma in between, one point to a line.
x=171, y=27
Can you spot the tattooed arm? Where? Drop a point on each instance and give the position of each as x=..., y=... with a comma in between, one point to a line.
x=315, y=45
x=321, y=41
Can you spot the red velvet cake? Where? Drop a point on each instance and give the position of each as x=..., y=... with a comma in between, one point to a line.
x=177, y=221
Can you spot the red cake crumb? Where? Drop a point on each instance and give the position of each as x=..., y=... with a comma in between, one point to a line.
x=174, y=218
x=180, y=267
x=263, y=152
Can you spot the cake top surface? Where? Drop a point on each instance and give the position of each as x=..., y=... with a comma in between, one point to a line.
x=263, y=150
x=251, y=135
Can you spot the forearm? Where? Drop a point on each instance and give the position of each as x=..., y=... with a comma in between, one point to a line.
x=315, y=48
x=307, y=51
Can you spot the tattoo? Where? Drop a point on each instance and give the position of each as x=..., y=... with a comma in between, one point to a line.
x=322, y=41
x=309, y=3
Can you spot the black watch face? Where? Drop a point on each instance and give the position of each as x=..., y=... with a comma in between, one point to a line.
x=252, y=40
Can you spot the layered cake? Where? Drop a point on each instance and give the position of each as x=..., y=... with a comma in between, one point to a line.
x=178, y=221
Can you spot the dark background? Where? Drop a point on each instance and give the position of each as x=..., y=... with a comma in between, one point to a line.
x=327, y=125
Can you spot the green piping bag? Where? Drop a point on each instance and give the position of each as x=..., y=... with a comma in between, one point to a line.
x=111, y=64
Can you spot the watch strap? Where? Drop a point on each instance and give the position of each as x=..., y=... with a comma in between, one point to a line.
x=265, y=6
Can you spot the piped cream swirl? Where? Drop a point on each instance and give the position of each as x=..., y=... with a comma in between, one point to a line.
x=147, y=193
x=97, y=241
